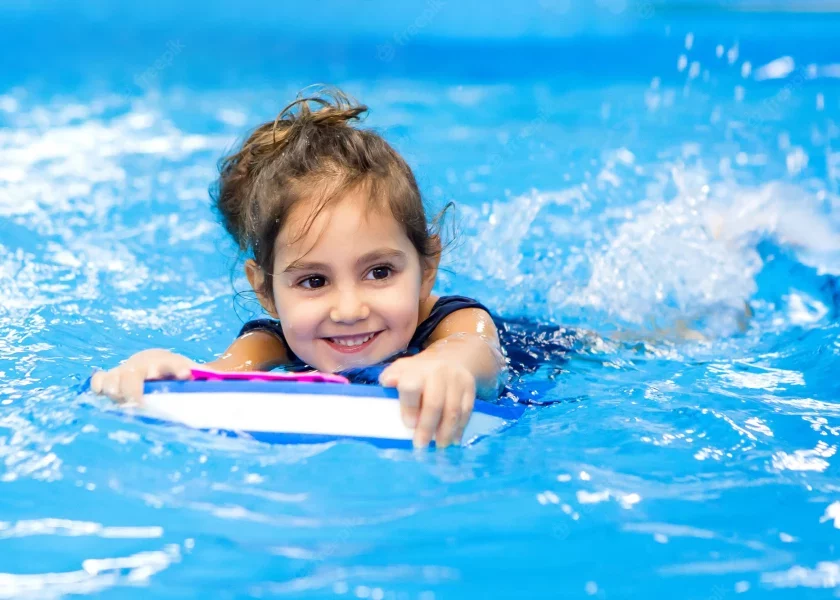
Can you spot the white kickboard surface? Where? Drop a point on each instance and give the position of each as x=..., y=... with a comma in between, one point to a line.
x=289, y=412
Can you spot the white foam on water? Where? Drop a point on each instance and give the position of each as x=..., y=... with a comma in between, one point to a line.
x=825, y=574
x=688, y=253
x=776, y=69
x=72, y=528
x=95, y=575
x=66, y=175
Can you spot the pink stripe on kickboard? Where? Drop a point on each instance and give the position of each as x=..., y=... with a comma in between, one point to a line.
x=309, y=377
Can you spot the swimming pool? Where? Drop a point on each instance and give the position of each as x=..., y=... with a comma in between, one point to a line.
x=622, y=171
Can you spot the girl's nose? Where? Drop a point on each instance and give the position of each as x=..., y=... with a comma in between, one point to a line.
x=349, y=308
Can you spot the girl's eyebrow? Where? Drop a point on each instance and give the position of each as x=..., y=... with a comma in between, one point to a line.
x=306, y=266
x=372, y=256
x=380, y=254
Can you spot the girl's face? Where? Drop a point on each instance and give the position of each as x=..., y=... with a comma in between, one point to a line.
x=348, y=290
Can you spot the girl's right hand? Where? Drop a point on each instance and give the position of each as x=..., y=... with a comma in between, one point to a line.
x=125, y=382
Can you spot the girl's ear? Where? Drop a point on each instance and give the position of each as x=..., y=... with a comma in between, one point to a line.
x=256, y=277
x=430, y=268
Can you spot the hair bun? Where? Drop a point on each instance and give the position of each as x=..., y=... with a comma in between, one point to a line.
x=335, y=108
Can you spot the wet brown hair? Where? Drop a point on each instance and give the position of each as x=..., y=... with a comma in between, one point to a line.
x=316, y=157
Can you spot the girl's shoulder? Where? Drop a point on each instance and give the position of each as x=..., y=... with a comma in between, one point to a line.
x=436, y=311
x=269, y=325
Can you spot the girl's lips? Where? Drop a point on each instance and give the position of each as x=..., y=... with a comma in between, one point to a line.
x=351, y=349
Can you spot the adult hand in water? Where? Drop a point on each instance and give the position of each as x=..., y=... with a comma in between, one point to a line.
x=125, y=382
x=436, y=397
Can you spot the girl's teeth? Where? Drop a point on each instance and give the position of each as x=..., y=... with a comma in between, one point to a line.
x=352, y=341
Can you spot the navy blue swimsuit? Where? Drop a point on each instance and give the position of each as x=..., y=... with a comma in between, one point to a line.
x=445, y=306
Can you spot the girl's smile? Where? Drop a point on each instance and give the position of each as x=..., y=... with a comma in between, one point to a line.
x=350, y=344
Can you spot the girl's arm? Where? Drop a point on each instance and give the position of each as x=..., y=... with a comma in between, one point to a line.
x=255, y=351
x=438, y=386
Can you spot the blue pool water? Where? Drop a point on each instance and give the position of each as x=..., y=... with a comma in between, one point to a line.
x=625, y=173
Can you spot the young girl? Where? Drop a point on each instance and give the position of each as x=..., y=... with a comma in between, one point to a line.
x=344, y=262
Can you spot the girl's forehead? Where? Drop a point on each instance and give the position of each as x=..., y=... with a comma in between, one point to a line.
x=349, y=224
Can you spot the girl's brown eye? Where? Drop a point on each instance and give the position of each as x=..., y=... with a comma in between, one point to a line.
x=314, y=282
x=380, y=272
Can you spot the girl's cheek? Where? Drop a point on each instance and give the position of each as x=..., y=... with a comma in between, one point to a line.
x=303, y=318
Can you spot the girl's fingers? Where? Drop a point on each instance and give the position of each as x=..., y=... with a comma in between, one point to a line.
x=410, y=389
x=153, y=373
x=390, y=376
x=125, y=383
x=131, y=385
x=96, y=382
x=451, y=416
x=430, y=410
x=105, y=382
x=467, y=405
x=111, y=385
x=175, y=368
x=184, y=370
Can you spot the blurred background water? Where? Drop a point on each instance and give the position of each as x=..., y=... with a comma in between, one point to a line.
x=625, y=171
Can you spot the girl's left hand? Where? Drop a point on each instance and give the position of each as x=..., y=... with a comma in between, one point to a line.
x=436, y=397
